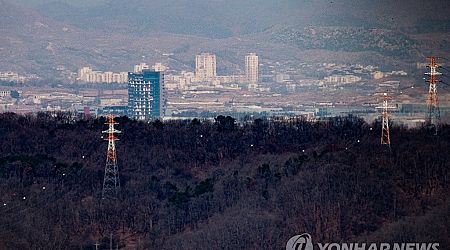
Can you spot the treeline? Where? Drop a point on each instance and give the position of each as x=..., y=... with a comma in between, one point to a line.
x=202, y=184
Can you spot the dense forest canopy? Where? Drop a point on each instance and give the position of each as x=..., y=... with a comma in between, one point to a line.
x=219, y=184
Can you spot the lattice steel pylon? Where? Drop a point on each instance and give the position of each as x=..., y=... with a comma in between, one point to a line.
x=433, y=115
x=385, y=134
x=111, y=182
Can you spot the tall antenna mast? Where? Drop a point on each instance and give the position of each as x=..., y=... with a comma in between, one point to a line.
x=385, y=135
x=433, y=116
x=111, y=183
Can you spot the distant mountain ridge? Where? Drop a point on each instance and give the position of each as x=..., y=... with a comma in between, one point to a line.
x=219, y=18
x=38, y=36
x=349, y=39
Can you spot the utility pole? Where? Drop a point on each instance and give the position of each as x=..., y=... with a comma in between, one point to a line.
x=385, y=135
x=433, y=116
x=111, y=182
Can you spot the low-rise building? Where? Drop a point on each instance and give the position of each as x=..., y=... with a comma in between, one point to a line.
x=342, y=79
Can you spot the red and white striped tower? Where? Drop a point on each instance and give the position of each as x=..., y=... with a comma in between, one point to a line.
x=111, y=182
x=433, y=116
x=385, y=135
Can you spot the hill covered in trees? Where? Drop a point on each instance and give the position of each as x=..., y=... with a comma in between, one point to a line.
x=220, y=185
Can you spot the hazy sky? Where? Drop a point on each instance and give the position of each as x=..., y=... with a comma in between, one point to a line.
x=72, y=2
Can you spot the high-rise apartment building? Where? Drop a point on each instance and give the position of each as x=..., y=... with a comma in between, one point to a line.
x=251, y=70
x=205, y=67
x=145, y=95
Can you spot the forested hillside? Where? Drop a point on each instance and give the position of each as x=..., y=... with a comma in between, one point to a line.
x=220, y=185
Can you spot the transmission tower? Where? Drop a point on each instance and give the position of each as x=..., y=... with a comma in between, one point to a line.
x=433, y=116
x=385, y=136
x=111, y=183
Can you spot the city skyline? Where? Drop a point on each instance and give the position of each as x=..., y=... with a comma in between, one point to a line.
x=205, y=71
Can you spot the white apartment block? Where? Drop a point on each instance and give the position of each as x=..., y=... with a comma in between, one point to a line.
x=251, y=70
x=205, y=67
x=138, y=68
x=342, y=79
x=86, y=74
x=159, y=67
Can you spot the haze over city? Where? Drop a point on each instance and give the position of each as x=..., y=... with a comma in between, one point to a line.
x=229, y=124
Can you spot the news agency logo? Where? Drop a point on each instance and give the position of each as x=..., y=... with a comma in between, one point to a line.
x=300, y=242
x=304, y=242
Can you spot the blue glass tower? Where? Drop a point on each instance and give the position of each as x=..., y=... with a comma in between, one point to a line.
x=145, y=95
